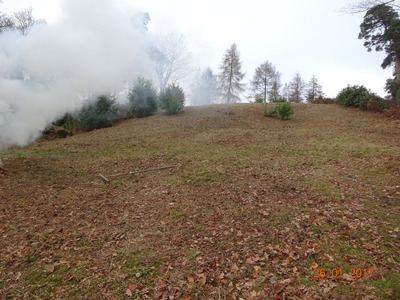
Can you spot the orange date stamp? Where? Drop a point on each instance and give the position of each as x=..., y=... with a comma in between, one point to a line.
x=338, y=273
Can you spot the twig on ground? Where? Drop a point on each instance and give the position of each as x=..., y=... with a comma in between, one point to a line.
x=106, y=178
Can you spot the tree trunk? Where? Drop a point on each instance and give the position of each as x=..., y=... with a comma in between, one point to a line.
x=397, y=69
x=265, y=92
x=230, y=83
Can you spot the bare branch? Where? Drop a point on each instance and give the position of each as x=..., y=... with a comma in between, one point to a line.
x=296, y=87
x=171, y=57
x=24, y=20
x=264, y=79
x=363, y=6
x=6, y=22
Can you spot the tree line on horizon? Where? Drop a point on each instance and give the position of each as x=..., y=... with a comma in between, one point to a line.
x=380, y=29
x=227, y=86
x=171, y=59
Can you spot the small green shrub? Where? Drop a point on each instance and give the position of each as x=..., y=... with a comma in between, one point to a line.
x=68, y=121
x=259, y=100
x=284, y=110
x=123, y=111
x=278, y=100
x=172, y=99
x=142, y=98
x=377, y=104
x=98, y=112
x=393, y=88
x=322, y=100
x=356, y=96
x=269, y=111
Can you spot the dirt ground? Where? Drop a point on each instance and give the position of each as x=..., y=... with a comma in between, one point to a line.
x=252, y=208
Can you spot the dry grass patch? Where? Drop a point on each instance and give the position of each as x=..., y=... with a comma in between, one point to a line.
x=256, y=205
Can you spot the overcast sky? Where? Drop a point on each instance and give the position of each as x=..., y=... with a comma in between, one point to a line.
x=310, y=37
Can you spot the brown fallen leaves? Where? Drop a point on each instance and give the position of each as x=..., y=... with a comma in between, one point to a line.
x=257, y=206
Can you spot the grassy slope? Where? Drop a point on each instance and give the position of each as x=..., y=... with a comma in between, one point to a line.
x=255, y=206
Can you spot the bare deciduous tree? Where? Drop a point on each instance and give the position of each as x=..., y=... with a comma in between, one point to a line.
x=23, y=20
x=231, y=76
x=6, y=22
x=297, y=86
x=263, y=81
x=171, y=58
x=274, y=93
x=286, y=92
x=314, y=89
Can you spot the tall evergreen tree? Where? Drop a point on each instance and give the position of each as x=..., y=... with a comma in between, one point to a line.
x=231, y=76
x=205, y=88
x=381, y=31
x=314, y=89
x=263, y=80
x=297, y=86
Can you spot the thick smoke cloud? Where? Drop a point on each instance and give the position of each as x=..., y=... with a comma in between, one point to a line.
x=94, y=48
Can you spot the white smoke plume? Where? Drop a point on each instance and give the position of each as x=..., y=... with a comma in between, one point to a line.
x=94, y=48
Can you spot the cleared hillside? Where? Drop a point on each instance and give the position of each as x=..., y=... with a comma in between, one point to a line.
x=254, y=208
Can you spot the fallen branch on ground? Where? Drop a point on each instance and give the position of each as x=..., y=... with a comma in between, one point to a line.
x=105, y=178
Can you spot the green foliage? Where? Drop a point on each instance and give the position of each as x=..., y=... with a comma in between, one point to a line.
x=172, y=99
x=322, y=100
x=377, y=104
x=142, y=98
x=205, y=88
x=68, y=121
x=380, y=30
x=358, y=96
x=393, y=88
x=259, y=100
x=269, y=111
x=278, y=100
x=284, y=110
x=98, y=112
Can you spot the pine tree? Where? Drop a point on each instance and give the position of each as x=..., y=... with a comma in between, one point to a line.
x=231, y=76
x=314, y=89
x=205, y=88
x=380, y=30
x=296, y=86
